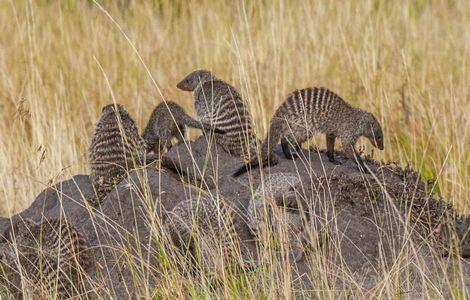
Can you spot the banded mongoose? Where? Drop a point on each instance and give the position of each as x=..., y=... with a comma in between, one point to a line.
x=169, y=120
x=463, y=233
x=219, y=104
x=205, y=227
x=278, y=205
x=311, y=110
x=116, y=148
x=49, y=257
x=454, y=231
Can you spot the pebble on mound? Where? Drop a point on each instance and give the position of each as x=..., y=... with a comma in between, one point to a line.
x=50, y=255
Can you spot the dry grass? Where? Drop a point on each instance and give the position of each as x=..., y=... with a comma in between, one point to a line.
x=406, y=61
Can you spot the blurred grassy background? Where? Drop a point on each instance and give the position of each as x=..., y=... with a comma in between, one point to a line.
x=406, y=61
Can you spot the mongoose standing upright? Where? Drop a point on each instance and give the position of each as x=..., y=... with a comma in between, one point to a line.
x=219, y=104
x=116, y=148
x=169, y=120
x=50, y=255
x=311, y=110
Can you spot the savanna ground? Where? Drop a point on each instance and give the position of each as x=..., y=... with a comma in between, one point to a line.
x=407, y=62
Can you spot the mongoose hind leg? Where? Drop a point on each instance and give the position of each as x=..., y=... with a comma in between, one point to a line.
x=165, y=141
x=287, y=149
x=181, y=134
x=330, y=148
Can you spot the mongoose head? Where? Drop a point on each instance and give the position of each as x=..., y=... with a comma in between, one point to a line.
x=24, y=232
x=463, y=233
x=373, y=130
x=9, y=276
x=455, y=232
x=108, y=113
x=111, y=109
x=192, y=80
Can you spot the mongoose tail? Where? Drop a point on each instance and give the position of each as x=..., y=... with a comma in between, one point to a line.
x=267, y=156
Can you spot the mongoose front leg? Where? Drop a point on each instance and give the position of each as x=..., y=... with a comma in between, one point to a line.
x=287, y=149
x=330, y=148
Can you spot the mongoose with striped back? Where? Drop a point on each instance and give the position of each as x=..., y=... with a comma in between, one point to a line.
x=219, y=104
x=278, y=205
x=454, y=231
x=312, y=110
x=50, y=255
x=169, y=120
x=116, y=148
x=463, y=233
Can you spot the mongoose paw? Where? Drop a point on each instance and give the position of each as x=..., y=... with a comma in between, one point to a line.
x=334, y=161
x=292, y=155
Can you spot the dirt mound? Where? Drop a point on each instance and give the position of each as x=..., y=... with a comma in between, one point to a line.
x=359, y=223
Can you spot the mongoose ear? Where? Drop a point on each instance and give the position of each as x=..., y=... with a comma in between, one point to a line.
x=105, y=107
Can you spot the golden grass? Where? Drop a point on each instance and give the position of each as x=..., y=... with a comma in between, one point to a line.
x=405, y=61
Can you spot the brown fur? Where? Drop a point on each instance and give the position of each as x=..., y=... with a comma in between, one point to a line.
x=277, y=206
x=169, y=120
x=115, y=149
x=219, y=104
x=49, y=256
x=313, y=110
x=202, y=226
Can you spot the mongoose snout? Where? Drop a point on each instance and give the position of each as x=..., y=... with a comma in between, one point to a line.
x=193, y=79
x=184, y=86
x=374, y=133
